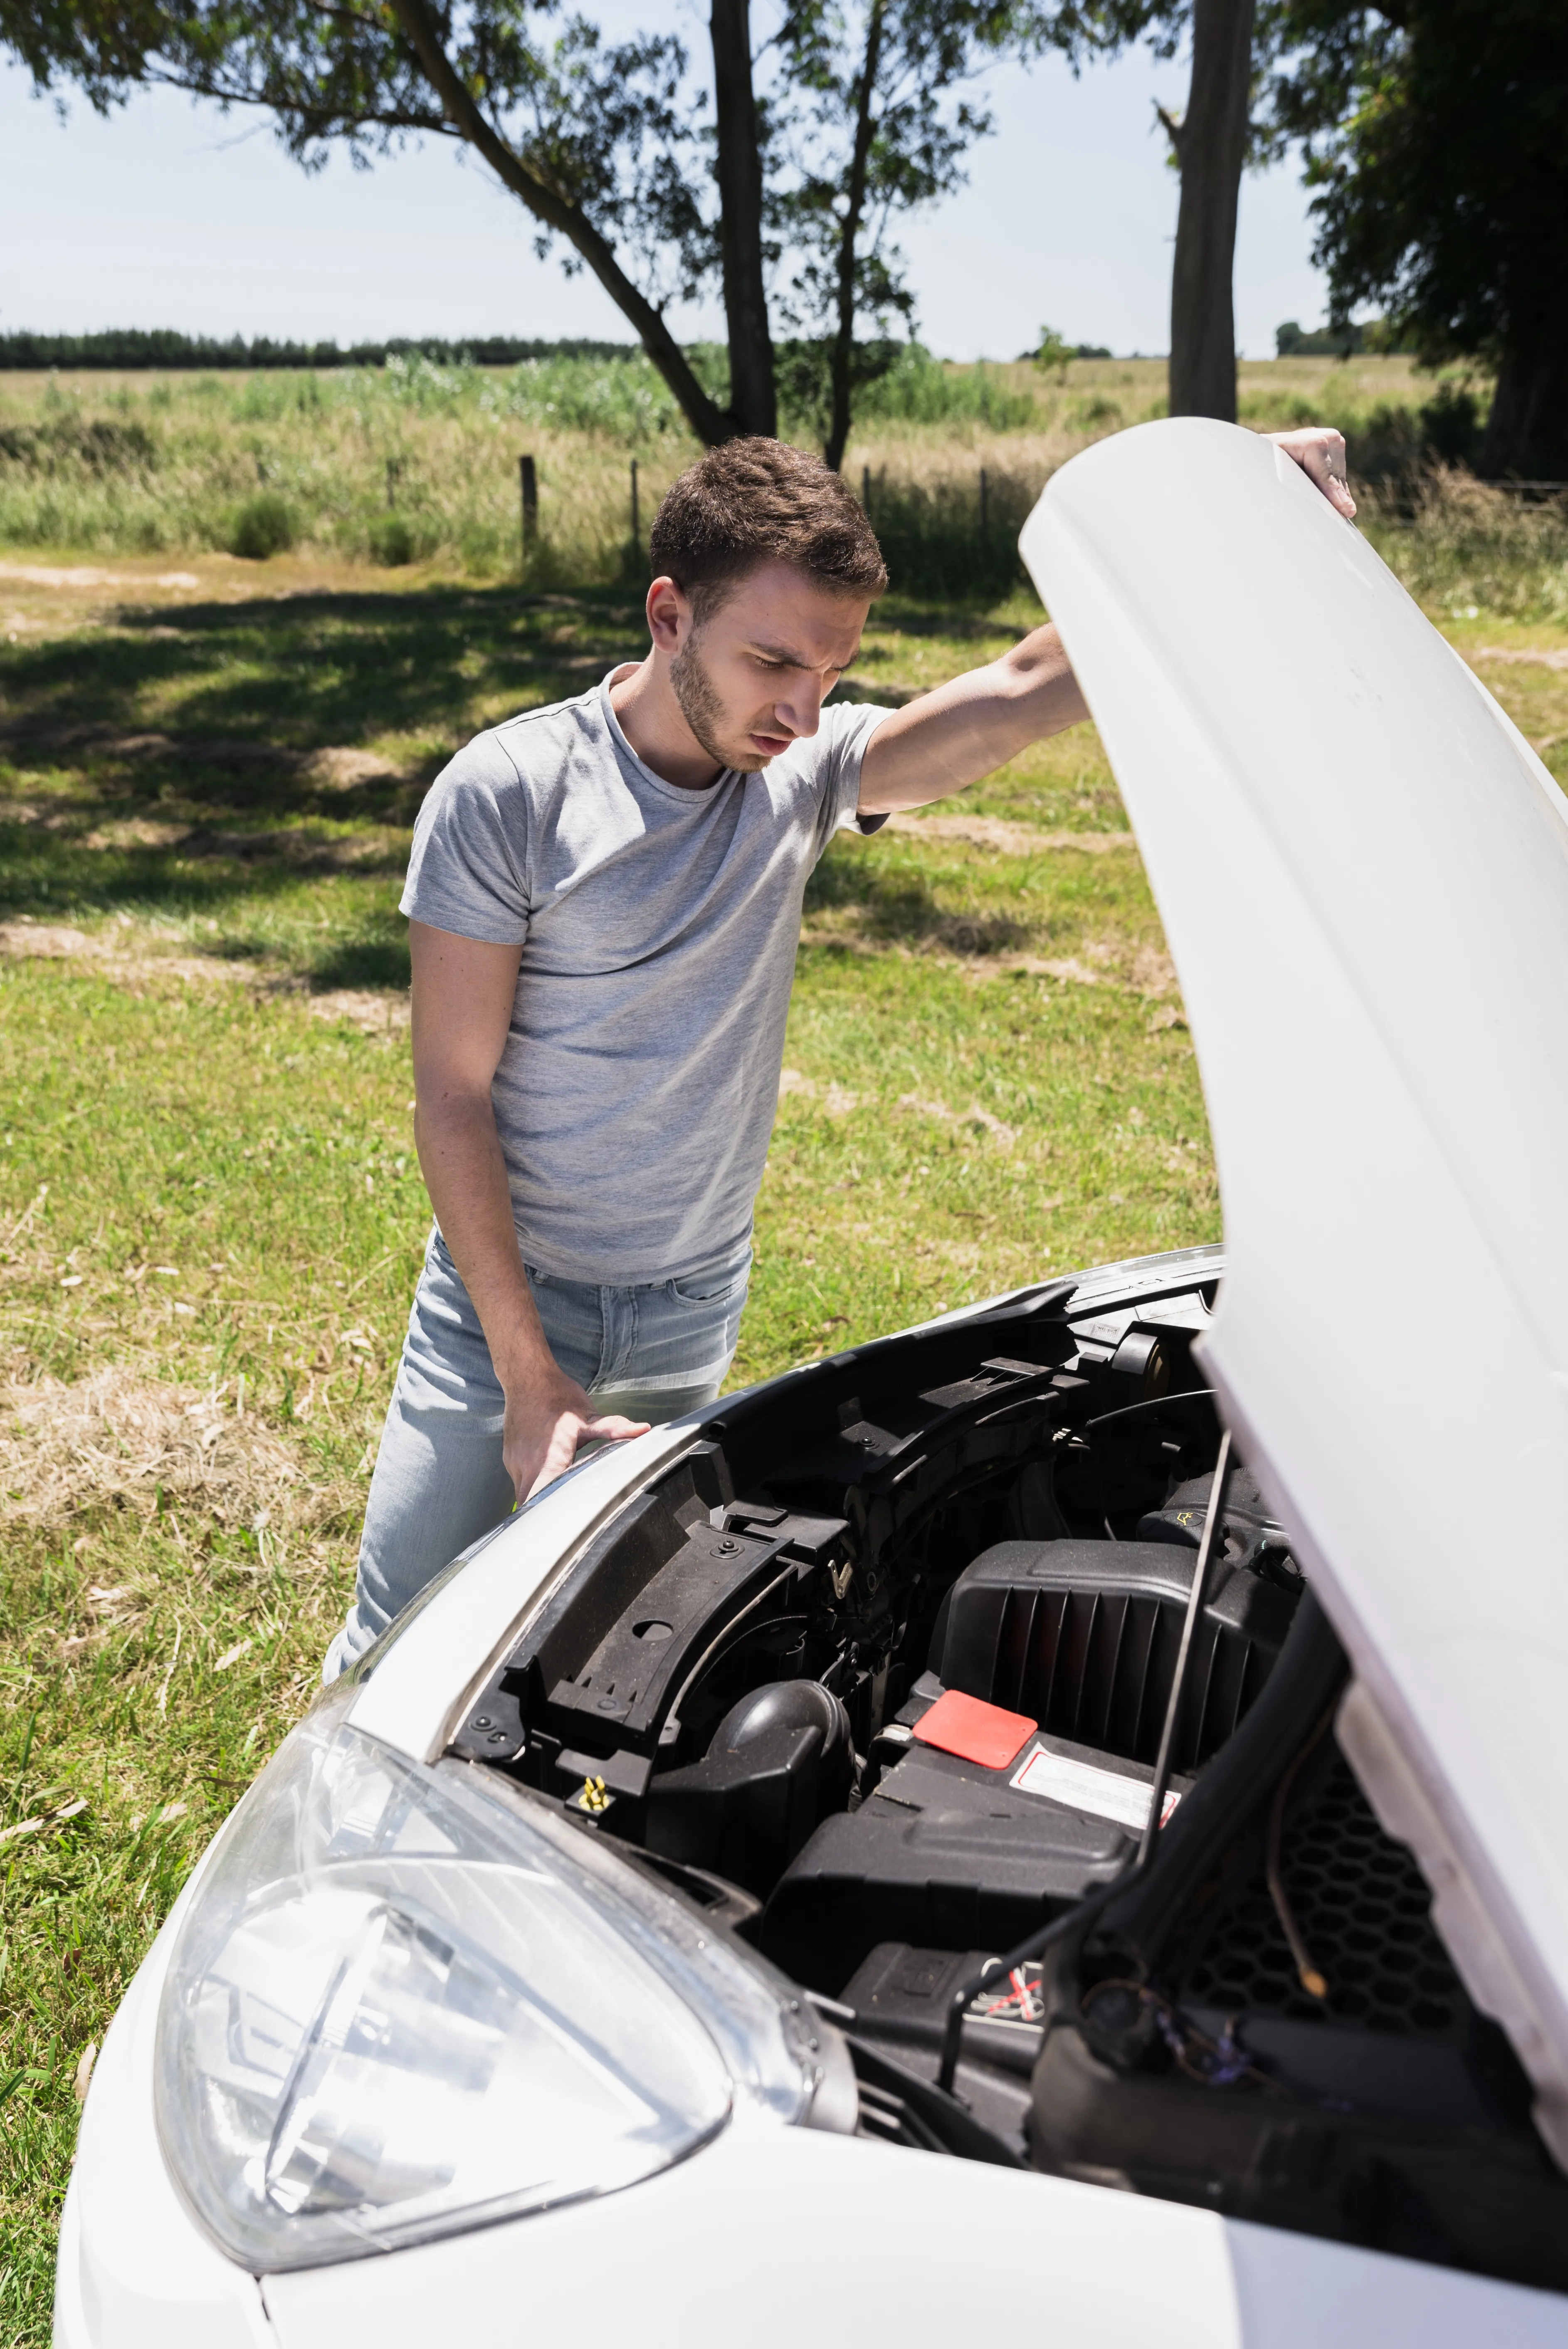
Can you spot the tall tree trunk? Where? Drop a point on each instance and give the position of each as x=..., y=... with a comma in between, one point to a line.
x=1210, y=145
x=849, y=241
x=753, y=399
x=1527, y=430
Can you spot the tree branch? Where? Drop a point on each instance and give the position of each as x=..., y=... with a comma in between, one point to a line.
x=706, y=419
x=1175, y=132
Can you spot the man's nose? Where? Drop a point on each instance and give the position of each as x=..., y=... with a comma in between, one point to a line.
x=800, y=706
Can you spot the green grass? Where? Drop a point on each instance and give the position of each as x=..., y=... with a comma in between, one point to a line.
x=211, y=1217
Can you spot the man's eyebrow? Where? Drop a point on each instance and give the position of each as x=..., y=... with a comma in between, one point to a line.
x=792, y=659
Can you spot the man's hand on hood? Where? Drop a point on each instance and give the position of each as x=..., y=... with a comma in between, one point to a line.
x=1320, y=450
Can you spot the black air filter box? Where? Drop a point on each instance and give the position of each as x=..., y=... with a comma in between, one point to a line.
x=944, y=1854
x=1082, y=1637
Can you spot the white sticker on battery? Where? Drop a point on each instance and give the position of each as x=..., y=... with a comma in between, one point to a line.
x=1083, y=1787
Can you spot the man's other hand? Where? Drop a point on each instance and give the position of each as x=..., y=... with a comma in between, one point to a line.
x=1320, y=450
x=546, y=1419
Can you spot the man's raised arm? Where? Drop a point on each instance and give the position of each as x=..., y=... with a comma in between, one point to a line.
x=971, y=726
x=463, y=999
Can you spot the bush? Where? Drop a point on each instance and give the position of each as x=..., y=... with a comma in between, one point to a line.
x=391, y=541
x=1398, y=444
x=896, y=383
x=261, y=526
x=936, y=542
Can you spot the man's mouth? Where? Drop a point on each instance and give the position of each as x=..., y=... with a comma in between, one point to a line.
x=770, y=745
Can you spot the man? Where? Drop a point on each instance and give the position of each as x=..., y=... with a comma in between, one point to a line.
x=605, y=899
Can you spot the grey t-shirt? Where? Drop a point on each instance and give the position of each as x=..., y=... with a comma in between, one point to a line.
x=638, y=1085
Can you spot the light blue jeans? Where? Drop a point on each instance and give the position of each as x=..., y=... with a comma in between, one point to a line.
x=648, y=1352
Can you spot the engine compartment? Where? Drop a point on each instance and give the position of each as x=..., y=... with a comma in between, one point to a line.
x=876, y=1673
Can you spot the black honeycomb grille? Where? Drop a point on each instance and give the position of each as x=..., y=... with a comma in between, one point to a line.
x=1364, y=1914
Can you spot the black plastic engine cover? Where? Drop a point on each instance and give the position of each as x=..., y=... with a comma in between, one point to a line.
x=1082, y=1636
x=944, y=1854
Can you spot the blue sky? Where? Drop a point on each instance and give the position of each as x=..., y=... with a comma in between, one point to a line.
x=169, y=213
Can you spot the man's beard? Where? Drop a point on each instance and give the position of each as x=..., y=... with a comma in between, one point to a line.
x=703, y=711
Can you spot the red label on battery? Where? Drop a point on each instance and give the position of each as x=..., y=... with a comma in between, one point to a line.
x=975, y=1732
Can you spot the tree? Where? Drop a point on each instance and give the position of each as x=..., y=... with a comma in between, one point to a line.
x=739, y=138
x=651, y=185
x=98, y=50
x=1211, y=142
x=874, y=120
x=1437, y=133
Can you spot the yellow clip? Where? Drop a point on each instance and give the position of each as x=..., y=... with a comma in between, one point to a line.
x=596, y=1795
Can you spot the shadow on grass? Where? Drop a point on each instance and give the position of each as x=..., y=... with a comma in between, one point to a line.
x=304, y=671
x=363, y=962
x=162, y=767
x=900, y=909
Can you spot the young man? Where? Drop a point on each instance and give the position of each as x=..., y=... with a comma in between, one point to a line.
x=604, y=900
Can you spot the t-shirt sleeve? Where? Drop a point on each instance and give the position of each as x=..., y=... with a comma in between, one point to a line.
x=847, y=728
x=468, y=868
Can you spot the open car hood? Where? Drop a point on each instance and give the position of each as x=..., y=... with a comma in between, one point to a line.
x=1362, y=869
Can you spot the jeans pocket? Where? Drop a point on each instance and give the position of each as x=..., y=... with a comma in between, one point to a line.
x=715, y=1284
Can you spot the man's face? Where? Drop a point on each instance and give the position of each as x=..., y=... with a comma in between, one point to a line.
x=752, y=678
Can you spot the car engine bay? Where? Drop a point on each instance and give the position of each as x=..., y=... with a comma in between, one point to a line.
x=879, y=1673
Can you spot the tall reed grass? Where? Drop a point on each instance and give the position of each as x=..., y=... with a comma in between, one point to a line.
x=417, y=461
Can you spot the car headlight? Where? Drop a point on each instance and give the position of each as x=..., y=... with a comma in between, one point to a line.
x=410, y=1999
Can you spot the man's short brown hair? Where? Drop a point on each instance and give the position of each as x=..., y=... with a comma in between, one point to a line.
x=755, y=501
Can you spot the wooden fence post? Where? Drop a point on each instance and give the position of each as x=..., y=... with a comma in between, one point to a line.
x=528, y=478
x=985, y=505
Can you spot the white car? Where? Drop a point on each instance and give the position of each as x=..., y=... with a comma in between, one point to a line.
x=588, y=1966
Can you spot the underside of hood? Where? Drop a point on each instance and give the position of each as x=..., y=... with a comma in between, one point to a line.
x=1362, y=869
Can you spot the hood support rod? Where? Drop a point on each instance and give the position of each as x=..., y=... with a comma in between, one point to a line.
x=1084, y=1912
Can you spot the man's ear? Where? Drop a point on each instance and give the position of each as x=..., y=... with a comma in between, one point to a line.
x=669, y=616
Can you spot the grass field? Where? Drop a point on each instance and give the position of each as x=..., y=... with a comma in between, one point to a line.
x=211, y=1217
x=418, y=462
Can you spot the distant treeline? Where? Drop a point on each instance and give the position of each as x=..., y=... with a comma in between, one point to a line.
x=161, y=347
x=1374, y=336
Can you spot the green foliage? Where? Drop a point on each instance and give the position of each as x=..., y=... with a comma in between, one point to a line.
x=1464, y=549
x=1396, y=443
x=1052, y=352
x=938, y=539
x=63, y=442
x=391, y=541
x=915, y=388
x=1438, y=144
x=263, y=526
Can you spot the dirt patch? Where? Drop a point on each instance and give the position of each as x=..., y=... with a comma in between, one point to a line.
x=137, y=831
x=1153, y=972
x=42, y=574
x=1522, y=657
x=109, y=742
x=339, y=769
x=46, y=941
x=1008, y=839
x=49, y=942
x=1057, y=967
x=117, y=1437
x=373, y=1013
x=376, y=1011
x=974, y=1115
